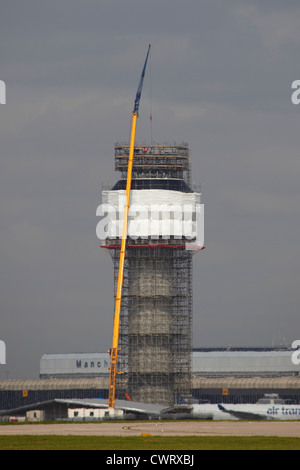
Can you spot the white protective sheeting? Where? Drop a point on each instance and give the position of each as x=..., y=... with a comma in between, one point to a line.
x=152, y=213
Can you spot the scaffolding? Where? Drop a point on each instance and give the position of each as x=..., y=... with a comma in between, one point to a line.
x=155, y=338
x=155, y=161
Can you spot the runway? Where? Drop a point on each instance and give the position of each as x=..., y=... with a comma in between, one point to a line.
x=171, y=428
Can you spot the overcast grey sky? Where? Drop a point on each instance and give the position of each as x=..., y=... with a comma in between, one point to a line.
x=221, y=75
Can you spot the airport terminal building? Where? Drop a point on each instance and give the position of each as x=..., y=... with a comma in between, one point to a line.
x=206, y=362
x=219, y=375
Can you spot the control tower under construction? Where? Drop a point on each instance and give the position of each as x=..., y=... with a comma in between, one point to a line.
x=155, y=340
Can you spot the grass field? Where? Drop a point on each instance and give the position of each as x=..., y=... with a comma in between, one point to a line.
x=147, y=443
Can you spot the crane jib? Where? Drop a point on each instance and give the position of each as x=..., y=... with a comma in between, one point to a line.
x=139, y=90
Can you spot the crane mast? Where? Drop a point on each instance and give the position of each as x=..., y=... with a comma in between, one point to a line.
x=113, y=352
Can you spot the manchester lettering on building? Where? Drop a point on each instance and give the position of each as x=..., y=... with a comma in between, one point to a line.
x=91, y=364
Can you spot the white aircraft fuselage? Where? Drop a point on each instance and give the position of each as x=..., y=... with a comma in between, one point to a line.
x=246, y=411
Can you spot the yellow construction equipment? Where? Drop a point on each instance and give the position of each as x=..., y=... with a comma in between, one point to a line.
x=113, y=352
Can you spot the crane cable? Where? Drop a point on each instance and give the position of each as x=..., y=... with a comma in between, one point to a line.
x=150, y=98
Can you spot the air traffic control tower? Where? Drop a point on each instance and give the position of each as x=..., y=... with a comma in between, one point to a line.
x=155, y=338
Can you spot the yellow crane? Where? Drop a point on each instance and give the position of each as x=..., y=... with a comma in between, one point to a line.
x=113, y=352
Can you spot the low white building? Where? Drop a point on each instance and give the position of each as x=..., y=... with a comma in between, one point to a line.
x=94, y=413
